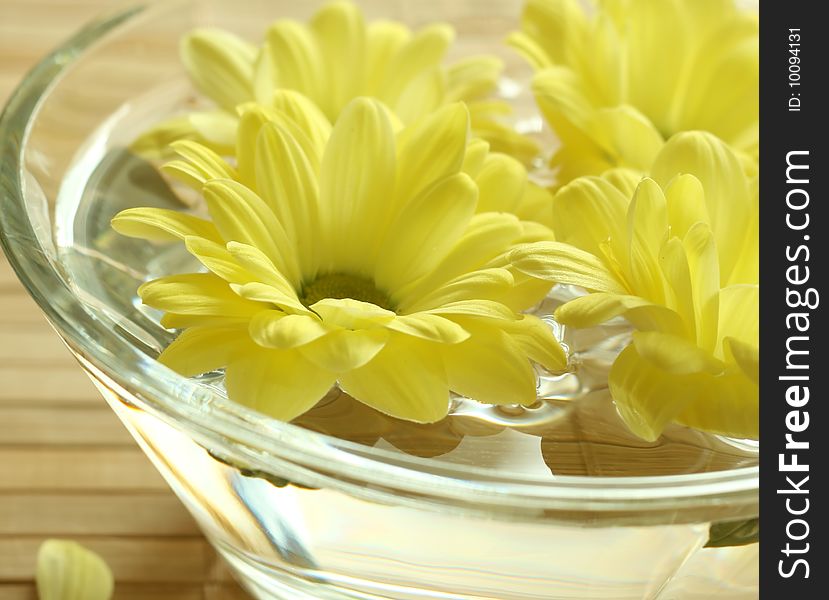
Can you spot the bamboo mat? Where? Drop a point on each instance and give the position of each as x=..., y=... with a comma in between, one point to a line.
x=68, y=468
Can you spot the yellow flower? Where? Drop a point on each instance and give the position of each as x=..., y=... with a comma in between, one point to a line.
x=353, y=257
x=333, y=59
x=679, y=261
x=68, y=571
x=616, y=83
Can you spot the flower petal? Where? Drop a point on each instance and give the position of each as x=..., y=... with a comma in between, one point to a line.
x=501, y=181
x=485, y=284
x=279, y=383
x=433, y=328
x=562, y=263
x=163, y=224
x=343, y=350
x=68, y=571
x=220, y=64
x=202, y=349
x=405, y=380
x=340, y=34
x=352, y=314
x=727, y=193
x=674, y=354
x=196, y=294
x=269, y=294
x=215, y=257
x=287, y=182
x=242, y=216
x=275, y=329
x=425, y=231
x=290, y=58
x=588, y=212
x=490, y=367
x=431, y=149
x=647, y=397
x=536, y=339
x=486, y=309
x=358, y=172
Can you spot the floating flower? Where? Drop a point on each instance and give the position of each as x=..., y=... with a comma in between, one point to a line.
x=355, y=257
x=617, y=83
x=333, y=59
x=68, y=571
x=679, y=261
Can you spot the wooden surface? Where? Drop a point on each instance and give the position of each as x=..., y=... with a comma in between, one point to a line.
x=67, y=466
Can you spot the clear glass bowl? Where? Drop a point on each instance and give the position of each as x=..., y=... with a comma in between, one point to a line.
x=301, y=514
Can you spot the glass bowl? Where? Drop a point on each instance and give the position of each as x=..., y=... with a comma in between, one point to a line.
x=299, y=513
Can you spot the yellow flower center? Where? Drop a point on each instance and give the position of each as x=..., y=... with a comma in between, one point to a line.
x=340, y=285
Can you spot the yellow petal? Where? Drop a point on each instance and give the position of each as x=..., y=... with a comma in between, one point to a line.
x=279, y=383
x=275, y=329
x=589, y=211
x=746, y=355
x=472, y=77
x=647, y=231
x=202, y=349
x=290, y=58
x=487, y=235
x=686, y=204
x=430, y=149
x=406, y=380
x=290, y=190
x=241, y=216
x=647, y=397
x=154, y=143
x=385, y=38
x=490, y=367
x=674, y=354
x=429, y=327
x=163, y=224
x=215, y=129
x=357, y=175
x=269, y=294
x=502, y=181
x=261, y=269
x=486, y=309
x=215, y=257
x=628, y=135
x=562, y=263
x=425, y=231
x=476, y=152
x=344, y=350
x=307, y=116
x=739, y=313
x=485, y=284
x=220, y=64
x=593, y=309
x=701, y=251
x=204, y=163
x=726, y=405
x=68, y=571
x=422, y=95
x=340, y=34
x=424, y=50
x=727, y=192
x=536, y=339
x=196, y=294
x=352, y=314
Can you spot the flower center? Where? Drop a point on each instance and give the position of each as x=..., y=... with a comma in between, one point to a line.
x=339, y=286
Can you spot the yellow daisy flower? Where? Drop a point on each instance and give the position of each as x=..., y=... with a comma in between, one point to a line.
x=333, y=59
x=616, y=83
x=680, y=261
x=354, y=257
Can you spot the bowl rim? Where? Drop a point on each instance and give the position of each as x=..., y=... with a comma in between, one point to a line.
x=182, y=402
